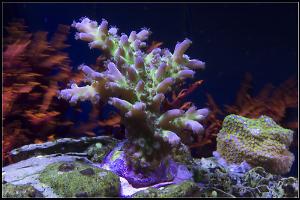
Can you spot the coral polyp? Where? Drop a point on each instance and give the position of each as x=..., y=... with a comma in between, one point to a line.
x=136, y=82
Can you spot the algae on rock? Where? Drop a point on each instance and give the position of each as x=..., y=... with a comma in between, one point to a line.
x=19, y=191
x=83, y=181
x=227, y=181
x=97, y=152
x=184, y=189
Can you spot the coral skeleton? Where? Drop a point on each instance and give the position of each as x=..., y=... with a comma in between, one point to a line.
x=137, y=83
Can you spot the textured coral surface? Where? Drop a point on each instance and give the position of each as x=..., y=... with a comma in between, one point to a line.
x=260, y=142
x=278, y=102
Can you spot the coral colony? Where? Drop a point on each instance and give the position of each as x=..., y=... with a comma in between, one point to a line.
x=260, y=142
x=136, y=83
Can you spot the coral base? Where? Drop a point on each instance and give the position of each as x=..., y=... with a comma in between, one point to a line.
x=116, y=162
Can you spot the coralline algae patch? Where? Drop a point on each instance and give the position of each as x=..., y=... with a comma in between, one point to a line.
x=260, y=142
x=80, y=180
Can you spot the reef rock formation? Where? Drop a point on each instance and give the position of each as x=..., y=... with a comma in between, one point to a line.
x=57, y=172
x=260, y=142
x=217, y=179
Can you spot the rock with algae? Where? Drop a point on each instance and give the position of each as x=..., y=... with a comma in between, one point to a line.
x=19, y=191
x=218, y=180
x=62, y=146
x=59, y=175
x=80, y=180
x=21, y=179
x=264, y=184
x=182, y=154
x=184, y=189
x=97, y=152
x=260, y=142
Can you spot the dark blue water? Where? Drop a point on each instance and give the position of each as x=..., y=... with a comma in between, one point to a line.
x=231, y=38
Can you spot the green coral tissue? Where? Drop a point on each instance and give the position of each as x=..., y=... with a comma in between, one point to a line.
x=260, y=142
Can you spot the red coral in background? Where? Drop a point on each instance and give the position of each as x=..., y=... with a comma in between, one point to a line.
x=30, y=111
x=270, y=101
x=177, y=99
x=205, y=145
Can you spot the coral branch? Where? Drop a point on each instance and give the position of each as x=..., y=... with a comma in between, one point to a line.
x=79, y=93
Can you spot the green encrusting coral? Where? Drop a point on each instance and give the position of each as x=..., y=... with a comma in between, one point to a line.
x=260, y=142
x=80, y=180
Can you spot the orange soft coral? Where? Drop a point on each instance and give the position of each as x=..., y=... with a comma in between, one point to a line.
x=30, y=106
x=29, y=109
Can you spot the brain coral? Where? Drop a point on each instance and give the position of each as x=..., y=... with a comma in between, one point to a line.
x=260, y=142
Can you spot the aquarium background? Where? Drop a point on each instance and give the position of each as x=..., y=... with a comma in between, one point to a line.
x=231, y=38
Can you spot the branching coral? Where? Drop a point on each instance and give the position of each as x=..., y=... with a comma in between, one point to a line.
x=136, y=83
